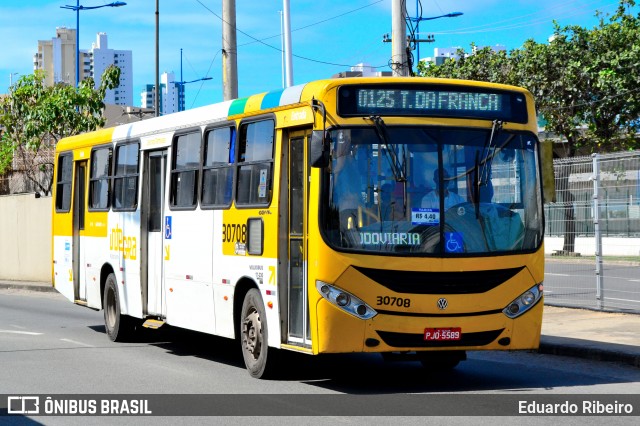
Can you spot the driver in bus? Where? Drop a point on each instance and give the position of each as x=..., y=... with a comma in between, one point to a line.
x=432, y=199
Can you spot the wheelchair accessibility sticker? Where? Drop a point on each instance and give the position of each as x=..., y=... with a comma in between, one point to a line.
x=453, y=242
x=167, y=227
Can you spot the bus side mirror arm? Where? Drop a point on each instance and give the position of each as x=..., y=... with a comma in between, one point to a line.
x=319, y=145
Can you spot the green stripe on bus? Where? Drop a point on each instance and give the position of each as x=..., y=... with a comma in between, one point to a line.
x=237, y=106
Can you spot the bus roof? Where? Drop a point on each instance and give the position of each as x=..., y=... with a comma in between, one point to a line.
x=262, y=102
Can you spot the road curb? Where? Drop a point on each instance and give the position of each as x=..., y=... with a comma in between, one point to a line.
x=45, y=288
x=587, y=349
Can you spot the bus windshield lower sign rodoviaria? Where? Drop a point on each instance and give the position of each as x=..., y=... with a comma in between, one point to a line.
x=432, y=100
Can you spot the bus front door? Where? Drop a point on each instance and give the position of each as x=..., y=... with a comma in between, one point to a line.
x=154, y=232
x=298, y=330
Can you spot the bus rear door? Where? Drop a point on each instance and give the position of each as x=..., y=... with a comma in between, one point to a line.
x=155, y=231
x=78, y=257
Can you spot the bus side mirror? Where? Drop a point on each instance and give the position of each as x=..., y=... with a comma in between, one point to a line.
x=548, y=173
x=318, y=149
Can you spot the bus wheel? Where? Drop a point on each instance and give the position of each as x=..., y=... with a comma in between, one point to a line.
x=441, y=360
x=253, y=335
x=118, y=326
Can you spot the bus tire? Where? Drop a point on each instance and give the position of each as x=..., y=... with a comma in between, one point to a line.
x=118, y=327
x=254, y=336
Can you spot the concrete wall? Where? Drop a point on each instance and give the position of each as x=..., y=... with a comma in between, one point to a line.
x=25, y=238
x=586, y=246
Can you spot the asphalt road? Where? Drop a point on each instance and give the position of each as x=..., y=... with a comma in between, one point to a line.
x=50, y=346
x=574, y=283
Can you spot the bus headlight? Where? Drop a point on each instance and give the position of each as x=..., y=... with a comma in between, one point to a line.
x=342, y=299
x=524, y=302
x=345, y=301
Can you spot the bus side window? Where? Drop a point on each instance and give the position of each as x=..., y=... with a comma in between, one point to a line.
x=184, y=173
x=256, y=163
x=100, y=174
x=63, y=184
x=125, y=179
x=217, y=174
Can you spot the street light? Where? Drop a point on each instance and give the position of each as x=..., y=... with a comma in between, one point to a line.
x=418, y=19
x=77, y=8
x=448, y=15
x=182, y=82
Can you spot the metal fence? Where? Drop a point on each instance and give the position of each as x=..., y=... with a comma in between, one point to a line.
x=592, y=236
x=31, y=172
x=14, y=183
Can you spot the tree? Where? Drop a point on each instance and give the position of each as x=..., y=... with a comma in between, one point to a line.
x=35, y=117
x=584, y=82
x=581, y=79
x=483, y=65
x=612, y=66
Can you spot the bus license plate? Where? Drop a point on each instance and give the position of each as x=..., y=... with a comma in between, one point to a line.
x=454, y=333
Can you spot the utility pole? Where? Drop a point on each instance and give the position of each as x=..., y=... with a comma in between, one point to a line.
x=229, y=51
x=284, y=82
x=399, y=39
x=156, y=101
x=287, y=44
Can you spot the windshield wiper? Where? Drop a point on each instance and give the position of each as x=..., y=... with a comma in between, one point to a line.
x=389, y=149
x=390, y=153
x=476, y=185
x=496, y=128
x=481, y=177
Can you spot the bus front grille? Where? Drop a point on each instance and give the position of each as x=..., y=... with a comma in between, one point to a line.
x=413, y=282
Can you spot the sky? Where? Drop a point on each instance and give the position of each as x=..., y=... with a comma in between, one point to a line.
x=328, y=36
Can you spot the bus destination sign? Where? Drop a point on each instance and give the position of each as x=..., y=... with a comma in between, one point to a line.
x=432, y=101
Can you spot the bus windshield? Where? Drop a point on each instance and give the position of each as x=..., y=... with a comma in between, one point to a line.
x=432, y=191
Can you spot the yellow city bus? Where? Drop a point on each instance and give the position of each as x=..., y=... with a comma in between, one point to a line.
x=389, y=215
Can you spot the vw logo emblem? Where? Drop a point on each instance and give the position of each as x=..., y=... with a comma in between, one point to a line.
x=442, y=304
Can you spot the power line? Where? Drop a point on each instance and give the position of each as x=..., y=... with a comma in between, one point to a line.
x=319, y=22
x=280, y=50
x=492, y=27
x=437, y=5
x=206, y=75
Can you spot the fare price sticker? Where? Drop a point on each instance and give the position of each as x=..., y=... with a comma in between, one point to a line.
x=424, y=216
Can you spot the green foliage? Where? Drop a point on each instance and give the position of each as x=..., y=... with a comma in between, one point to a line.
x=34, y=117
x=584, y=80
x=484, y=65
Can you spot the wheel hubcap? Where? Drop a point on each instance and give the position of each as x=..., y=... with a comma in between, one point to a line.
x=251, y=331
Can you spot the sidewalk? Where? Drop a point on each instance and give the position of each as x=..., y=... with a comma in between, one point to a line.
x=26, y=285
x=580, y=333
